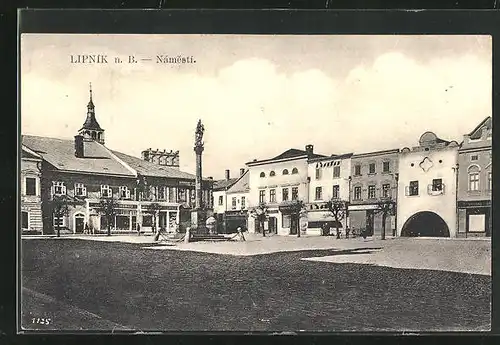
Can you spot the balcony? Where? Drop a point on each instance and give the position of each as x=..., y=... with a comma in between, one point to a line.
x=436, y=189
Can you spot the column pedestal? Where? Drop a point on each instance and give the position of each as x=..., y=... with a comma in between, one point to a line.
x=198, y=218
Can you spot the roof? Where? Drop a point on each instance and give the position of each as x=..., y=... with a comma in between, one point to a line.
x=151, y=169
x=375, y=153
x=91, y=121
x=342, y=156
x=224, y=184
x=242, y=185
x=60, y=153
x=289, y=154
x=97, y=159
x=486, y=122
x=27, y=153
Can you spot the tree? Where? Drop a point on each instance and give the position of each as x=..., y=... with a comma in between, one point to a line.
x=385, y=207
x=107, y=208
x=338, y=208
x=60, y=210
x=260, y=214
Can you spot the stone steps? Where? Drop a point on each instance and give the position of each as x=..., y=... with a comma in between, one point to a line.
x=204, y=237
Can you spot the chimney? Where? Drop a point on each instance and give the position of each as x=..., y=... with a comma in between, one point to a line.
x=227, y=174
x=242, y=171
x=79, y=147
x=309, y=150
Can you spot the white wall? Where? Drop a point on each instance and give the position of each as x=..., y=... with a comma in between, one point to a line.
x=219, y=208
x=327, y=181
x=238, y=197
x=444, y=205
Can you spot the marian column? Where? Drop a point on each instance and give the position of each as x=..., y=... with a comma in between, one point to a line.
x=198, y=215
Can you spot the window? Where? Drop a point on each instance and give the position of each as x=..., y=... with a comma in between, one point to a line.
x=284, y=194
x=371, y=168
x=285, y=172
x=489, y=181
x=233, y=203
x=221, y=200
x=124, y=192
x=30, y=186
x=272, y=173
x=80, y=189
x=335, y=192
x=272, y=195
x=295, y=193
x=182, y=194
x=386, y=167
x=357, y=170
x=59, y=188
x=286, y=220
x=437, y=185
x=106, y=191
x=59, y=221
x=318, y=173
x=357, y=193
x=413, y=190
x=336, y=171
x=24, y=220
x=262, y=174
x=319, y=193
x=162, y=193
x=473, y=181
x=171, y=194
x=295, y=171
x=473, y=157
x=371, y=192
x=243, y=201
x=262, y=196
x=386, y=190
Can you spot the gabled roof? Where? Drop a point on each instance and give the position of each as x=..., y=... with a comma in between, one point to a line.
x=476, y=133
x=242, y=185
x=151, y=169
x=60, y=153
x=27, y=153
x=224, y=184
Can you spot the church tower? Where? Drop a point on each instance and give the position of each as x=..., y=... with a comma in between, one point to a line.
x=91, y=129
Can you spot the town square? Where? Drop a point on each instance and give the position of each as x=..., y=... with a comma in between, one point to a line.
x=243, y=219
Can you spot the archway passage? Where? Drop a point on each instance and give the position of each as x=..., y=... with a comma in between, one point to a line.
x=425, y=224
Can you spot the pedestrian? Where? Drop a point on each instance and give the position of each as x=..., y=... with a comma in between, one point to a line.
x=240, y=233
x=138, y=229
x=347, y=231
x=86, y=229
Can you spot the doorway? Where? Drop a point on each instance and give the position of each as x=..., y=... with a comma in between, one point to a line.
x=370, y=216
x=273, y=226
x=425, y=224
x=79, y=223
x=294, y=225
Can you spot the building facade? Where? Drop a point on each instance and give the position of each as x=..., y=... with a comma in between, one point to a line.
x=276, y=181
x=236, y=214
x=427, y=193
x=329, y=179
x=475, y=182
x=220, y=200
x=374, y=178
x=31, y=202
x=78, y=175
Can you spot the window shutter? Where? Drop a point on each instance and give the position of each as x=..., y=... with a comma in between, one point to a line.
x=128, y=194
x=407, y=190
x=429, y=189
x=63, y=190
x=84, y=191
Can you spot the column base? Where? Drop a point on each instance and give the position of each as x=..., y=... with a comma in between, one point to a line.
x=198, y=219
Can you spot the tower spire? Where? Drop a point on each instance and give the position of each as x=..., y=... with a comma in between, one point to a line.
x=91, y=128
x=90, y=88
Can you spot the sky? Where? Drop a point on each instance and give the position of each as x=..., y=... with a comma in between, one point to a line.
x=258, y=96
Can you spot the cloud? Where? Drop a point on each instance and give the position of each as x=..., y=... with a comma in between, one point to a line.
x=253, y=108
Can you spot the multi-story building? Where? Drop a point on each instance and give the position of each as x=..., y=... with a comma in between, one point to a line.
x=220, y=200
x=82, y=172
x=31, y=203
x=276, y=181
x=329, y=180
x=427, y=193
x=373, y=179
x=475, y=182
x=236, y=214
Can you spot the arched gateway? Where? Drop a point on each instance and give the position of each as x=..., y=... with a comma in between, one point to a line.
x=425, y=224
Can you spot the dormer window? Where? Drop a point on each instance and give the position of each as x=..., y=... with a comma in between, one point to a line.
x=58, y=188
x=106, y=191
x=80, y=189
x=124, y=192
